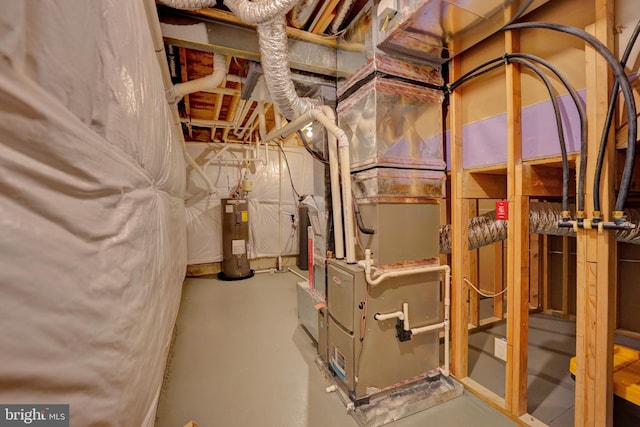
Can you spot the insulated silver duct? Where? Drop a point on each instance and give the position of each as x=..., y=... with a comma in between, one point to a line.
x=188, y=4
x=543, y=218
x=259, y=12
x=269, y=16
x=272, y=39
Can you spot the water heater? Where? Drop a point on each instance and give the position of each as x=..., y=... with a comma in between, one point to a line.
x=235, y=237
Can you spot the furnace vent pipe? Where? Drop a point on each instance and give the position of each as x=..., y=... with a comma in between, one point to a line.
x=211, y=81
x=543, y=219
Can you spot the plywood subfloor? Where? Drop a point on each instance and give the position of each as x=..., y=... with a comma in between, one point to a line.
x=240, y=358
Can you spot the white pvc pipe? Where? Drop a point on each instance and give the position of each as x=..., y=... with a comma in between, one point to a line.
x=211, y=81
x=387, y=316
x=336, y=201
x=297, y=274
x=291, y=127
x=429, y=328
x=158, y=44
x=327, y=119
x=405, y=310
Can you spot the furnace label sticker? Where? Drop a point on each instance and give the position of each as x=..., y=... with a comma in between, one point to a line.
x=228, y=208
x=245, y=216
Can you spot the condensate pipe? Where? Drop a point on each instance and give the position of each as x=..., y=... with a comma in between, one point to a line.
x=387, y=316
x=367, y=264
x=327, y=118
x=211, y=81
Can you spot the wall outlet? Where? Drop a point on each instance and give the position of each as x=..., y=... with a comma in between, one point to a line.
x=500, y=348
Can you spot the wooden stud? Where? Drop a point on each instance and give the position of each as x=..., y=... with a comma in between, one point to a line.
x=518, y=244
x=534, y=271
x=460, y=235
x=566, y=252
x=498, y=280
x=484, y=186
x=474, y=297
x=546, y=291
x=596, y=252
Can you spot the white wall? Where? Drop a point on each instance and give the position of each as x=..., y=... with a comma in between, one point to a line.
x=271, y=202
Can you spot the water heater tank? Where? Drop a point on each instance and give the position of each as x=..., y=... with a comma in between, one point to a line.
x=235, y=236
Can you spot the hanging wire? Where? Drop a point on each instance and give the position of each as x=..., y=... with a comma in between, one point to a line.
x=607, y=125
x=482, y=293
x=293, y=187
x=623, y=81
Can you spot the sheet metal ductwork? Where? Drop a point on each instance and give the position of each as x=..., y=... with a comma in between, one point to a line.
x=543, y=218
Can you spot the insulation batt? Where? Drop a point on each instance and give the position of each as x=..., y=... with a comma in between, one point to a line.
x=91, y=205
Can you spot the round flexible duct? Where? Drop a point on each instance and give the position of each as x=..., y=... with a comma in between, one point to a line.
x=269, y=16
x=543, y=219
x=188, y=4
x=260, y=12
x=272, y=39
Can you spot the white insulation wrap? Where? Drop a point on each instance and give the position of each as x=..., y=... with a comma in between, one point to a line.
x=93, y=222
x=271, y=201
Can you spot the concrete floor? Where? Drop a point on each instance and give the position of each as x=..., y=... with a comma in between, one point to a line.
x=552, y=343
x=240, y=358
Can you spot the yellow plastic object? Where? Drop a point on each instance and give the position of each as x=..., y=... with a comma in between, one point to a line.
x=626, y=373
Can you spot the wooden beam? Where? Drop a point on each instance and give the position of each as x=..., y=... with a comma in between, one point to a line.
x=565, y=274
x=596, y=252
x=484, y=186
x=460, y=235
x=498, y=280
x=543, y=181
x=518, y=243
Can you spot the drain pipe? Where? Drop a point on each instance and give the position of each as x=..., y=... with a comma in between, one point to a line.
x=326, y=117
x=209, y=82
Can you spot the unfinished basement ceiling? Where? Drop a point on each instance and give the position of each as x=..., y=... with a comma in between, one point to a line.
x=230, y=113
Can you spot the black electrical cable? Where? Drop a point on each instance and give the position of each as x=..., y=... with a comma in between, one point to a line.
x=463, y=79
x=477, y=71
x=608, y=121
x=581, y=114
x=556, y=109
x=356, y=209
x=313, y=153
x=520, y=12
x=293, y=187
x=472, y=73
x=622, y=80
